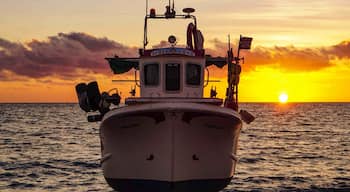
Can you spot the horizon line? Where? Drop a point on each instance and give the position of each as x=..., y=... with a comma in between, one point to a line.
x=248, y=102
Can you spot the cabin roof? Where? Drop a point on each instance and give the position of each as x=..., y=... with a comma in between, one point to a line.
x=121, y=65
x=172, y=51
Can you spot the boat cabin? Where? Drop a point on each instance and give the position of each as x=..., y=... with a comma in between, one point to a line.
x=171, y=72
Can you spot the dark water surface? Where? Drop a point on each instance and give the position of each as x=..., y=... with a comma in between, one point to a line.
x=305, y=147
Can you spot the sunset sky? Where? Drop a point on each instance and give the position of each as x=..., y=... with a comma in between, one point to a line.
x=300, y=47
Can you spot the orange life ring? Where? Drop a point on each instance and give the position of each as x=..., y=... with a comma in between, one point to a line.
x=195, y=38
x=191, y=28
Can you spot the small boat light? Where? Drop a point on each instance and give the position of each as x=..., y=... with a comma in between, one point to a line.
x=172, y=39
x=152, y=12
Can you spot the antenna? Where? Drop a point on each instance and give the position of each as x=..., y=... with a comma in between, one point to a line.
x=146, y=7
x=229, y=42
x=172, y=6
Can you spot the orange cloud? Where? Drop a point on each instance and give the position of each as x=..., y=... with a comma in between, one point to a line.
x=290, y=59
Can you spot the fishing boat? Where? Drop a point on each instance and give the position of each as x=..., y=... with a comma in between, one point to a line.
x=170, y=137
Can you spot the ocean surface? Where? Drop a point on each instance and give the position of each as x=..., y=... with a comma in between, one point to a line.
x=293, y=147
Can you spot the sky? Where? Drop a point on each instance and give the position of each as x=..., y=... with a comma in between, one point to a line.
x=301, y=48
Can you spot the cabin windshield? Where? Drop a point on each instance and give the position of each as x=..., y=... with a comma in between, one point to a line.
x=172, y=75
x=151, y=72
x=193, y=74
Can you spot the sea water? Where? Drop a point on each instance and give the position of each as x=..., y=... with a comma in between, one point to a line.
x=305, y=147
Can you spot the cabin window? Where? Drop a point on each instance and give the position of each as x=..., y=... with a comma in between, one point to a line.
x=193, y=74
x=172, y=74
x=151, y=72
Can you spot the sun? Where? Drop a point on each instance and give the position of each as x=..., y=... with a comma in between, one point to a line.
x=283, y=98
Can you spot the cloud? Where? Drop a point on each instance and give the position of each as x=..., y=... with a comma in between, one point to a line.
x=74, y=55
x=341, y=51
x=63, y=55
x=290, y=59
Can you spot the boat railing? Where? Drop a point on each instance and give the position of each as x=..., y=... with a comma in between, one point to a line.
x=169, y=14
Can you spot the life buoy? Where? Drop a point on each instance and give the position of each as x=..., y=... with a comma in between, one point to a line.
x=190, y=33
x=195, y=38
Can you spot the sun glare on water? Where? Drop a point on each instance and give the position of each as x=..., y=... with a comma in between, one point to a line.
x=283, y=98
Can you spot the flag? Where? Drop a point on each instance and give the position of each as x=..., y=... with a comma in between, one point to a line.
x=245, y=42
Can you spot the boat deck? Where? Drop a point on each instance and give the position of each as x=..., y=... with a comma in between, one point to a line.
x=143, y=100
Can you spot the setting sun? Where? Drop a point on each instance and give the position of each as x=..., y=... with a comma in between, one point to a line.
x=283, y=98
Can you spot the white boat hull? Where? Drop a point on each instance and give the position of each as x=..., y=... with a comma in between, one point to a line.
x=169, y=147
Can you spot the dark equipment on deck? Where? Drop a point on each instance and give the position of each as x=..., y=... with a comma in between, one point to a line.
x=91, y=100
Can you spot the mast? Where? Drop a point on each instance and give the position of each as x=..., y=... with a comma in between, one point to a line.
x=234, y=70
